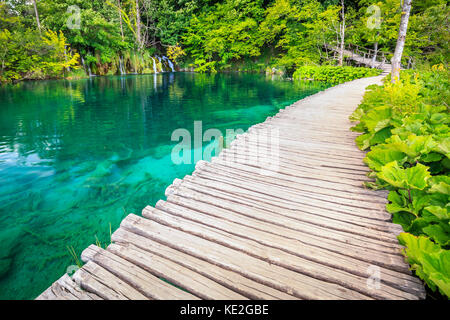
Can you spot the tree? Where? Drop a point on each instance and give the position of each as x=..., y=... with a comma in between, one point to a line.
x=120, y=18
x=138, y=27
x=342, y=35
x=396, y=59
x=37, y=16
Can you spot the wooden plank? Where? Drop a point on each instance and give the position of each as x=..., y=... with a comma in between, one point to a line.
x=282, y=200
x=300, y=158
x=195, y=283
x=282, y=181
x=275, y=201
x=310, y=182
x=286, y=280
x=326, y=221
x=306, y=234
x=66, y=289
x=231, y=280
x=270, y=213
x=146, y=283
x=301, y=263
x=93, y=278
x=307, y=210
x=308, y=243
x=295, y=153
x=287, y=192
x=294, y=169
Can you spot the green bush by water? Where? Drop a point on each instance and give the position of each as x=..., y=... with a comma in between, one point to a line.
x=333, y=74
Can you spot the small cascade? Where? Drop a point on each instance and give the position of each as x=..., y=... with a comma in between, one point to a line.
x=121, y=66
x=162, y=67
x=83, y=64
x=169, y=62
x=89, y=68
x=154, y=66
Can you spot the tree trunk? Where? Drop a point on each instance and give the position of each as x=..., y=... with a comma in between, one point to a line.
x=342, y=35
x=396, y=59
x=37, y=16
x=138, y=26
x=120, y=18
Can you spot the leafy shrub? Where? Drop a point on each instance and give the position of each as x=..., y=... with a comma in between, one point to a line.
x=333, y=74
x=406, y=127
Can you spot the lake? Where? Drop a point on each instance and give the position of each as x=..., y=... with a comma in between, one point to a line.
x=77, y=156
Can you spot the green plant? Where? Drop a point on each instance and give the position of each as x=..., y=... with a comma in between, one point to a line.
x=74, y=256
x=406, y=128
x=333, y=74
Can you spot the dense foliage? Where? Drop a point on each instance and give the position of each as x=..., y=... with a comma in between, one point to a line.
x=406, y=127
x=102, y=37
x=333, y=74
x=117, y=36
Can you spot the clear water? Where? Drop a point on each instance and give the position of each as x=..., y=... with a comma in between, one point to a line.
x=77, y=156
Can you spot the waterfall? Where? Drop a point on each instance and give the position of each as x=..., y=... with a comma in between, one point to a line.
x=84, y=65
x=162, y=68
x=121, y=66
x=169, y=62
x=154, y=65
x=89, y=67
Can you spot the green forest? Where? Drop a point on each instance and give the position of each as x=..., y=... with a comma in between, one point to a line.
x=44, y=39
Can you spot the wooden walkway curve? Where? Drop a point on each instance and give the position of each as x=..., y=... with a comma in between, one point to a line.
x=366, y=57
x=283, y=218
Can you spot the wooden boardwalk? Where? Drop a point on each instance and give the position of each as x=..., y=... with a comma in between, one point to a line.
x=283, y=218
x=367, y=59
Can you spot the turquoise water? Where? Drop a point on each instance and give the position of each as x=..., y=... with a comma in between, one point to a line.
x=77, y=156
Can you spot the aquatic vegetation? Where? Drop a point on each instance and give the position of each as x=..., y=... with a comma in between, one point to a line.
x=74, y=256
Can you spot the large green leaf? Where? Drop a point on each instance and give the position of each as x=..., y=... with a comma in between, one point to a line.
x=357, y=114
x=413, y=146
x=443, y=146
x=411, y=178
x=382, y=155
x=429, y=260
x=440, y=184
x=439, y=212
x=363, y=141
x=439, y=232
x=380, y=136
x=377, y=118
x=412, y=201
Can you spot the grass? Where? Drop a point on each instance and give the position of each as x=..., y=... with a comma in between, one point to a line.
x=74, y=256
